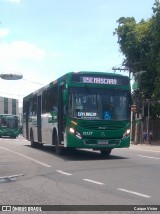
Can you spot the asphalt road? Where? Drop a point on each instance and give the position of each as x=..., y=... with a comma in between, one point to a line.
x=39, y=177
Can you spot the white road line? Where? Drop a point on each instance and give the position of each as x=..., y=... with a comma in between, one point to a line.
x=34, y=160
x=62, y=172
x=95, y=182
x=12, y=176
x=9, y=178
x=145, y=150
x=148, y=157
x=135, y=193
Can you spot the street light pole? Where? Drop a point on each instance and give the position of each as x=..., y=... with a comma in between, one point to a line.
x=148, y=116
x=122, y=69
x=139, y=122
x=11, y=76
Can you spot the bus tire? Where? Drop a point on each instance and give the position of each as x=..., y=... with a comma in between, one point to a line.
x=105, y=153
x=33, y=143
x=13, y=137
x=58, y=148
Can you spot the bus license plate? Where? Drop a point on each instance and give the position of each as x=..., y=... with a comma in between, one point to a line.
x=102, y=142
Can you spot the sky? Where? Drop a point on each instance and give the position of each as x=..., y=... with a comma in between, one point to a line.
x=44, y=39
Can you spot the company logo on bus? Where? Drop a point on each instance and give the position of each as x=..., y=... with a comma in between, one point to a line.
x=99, y=80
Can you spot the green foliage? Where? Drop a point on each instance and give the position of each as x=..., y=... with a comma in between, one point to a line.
x=140, y=44
x=134, y=42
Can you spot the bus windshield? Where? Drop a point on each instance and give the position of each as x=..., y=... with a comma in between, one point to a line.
x=9, y=121
x=99, y=103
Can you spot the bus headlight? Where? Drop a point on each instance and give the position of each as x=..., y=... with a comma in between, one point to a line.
x=126, y=133
x=71, y=130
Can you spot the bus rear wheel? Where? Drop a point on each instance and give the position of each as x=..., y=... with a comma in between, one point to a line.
x=33, y=143
x=105, y=153
x=58, y=148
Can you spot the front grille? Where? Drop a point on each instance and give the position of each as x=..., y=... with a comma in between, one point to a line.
x=102, y=125
x=90, y=141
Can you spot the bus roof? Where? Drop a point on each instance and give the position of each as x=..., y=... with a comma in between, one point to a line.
x=69, y=75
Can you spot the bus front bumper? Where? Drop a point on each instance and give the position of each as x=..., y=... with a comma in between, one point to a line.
x=94, y=143
x=9, y=133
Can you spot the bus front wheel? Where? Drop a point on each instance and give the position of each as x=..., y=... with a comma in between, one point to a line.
x=13, y=137
x=105, y=153
x=58, y=148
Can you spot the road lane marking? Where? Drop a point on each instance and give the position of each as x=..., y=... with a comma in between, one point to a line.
x=145, y=150
x=9, y=178
x=62, y=172
x=34, y=160
x=135, y=193
x=92, y=181
x=148, y=157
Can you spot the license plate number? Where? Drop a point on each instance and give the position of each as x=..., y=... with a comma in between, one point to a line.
x=102, y=142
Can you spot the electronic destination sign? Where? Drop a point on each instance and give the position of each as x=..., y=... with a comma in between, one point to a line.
x=104, y=79
x=99, y=80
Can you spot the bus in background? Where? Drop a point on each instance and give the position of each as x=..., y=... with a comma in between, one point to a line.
x=9, y=125
x=80, y=110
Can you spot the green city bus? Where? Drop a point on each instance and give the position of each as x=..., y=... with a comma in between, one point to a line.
x=9, y=125
x=84, y=110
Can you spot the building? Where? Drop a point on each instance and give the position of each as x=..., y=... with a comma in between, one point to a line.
x=9, y=106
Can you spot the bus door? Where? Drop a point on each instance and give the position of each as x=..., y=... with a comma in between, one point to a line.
x=61, y=114
x=39, y=111
x=26, y=119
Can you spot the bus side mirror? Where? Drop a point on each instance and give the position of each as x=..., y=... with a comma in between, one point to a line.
x=65, y=96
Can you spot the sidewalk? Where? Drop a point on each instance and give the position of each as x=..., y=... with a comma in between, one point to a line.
x=155, y=145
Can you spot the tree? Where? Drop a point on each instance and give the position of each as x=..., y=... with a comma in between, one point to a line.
x=140, y=44
x=155, y=53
